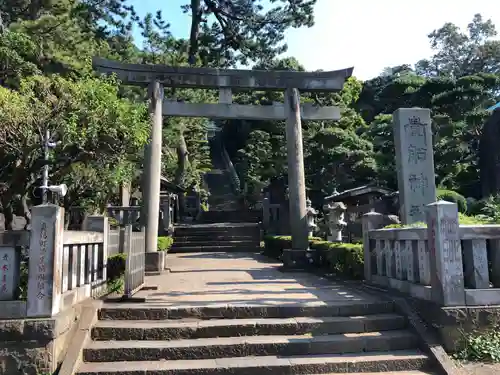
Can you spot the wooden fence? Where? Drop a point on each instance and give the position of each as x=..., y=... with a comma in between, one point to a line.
x=448, y=263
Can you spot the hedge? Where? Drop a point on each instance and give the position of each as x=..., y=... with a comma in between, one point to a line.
x=454, y=197
x=274, y=245
x=343, y=259
x=165, y=243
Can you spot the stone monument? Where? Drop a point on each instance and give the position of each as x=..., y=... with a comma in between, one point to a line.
x=414, y=162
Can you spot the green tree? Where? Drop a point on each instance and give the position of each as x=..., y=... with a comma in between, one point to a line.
x=95, y=130
x=459, y=54
x=224, y=33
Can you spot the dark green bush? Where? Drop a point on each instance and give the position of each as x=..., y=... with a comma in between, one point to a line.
x=116, y=266
x=452, y=196
x=113, y=223
x=165, y=243
x=344, y=259
x=274, y=245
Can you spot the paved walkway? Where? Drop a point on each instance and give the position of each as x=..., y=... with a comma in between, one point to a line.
x=201, y=279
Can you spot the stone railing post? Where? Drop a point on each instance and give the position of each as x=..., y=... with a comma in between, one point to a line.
x=266, y=214
x=446, y=265
x=46, y=257
x=100, y=224
x=370, y=221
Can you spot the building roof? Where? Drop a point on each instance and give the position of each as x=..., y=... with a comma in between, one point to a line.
x=361, y=190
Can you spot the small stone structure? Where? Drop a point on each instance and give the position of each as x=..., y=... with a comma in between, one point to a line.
x=334, y=213
x=311, y=214
x=414, y=162
x=357, y=202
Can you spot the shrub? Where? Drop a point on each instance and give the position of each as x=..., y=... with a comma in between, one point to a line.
x=481, y=347
x=116, y=266
x=462, y=219
x=113, y=223
x=452, y=196
x=274, y=245
x=115, y=272
x=345, y=259
x=165, y=243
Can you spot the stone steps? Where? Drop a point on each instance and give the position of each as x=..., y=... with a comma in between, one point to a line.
x=230, y=229
x=159, y=311
x=210, y=243
x=216, y=249
x=233, y=216
x=215, y=237
x=244, y=346
x=197, y=329
x=351, y=336
x=400, y=360
x=223, y=237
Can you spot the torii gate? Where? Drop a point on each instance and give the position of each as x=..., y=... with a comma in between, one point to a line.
x=156, y=77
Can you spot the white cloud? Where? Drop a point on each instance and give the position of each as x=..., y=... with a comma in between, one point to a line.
x=371, y=35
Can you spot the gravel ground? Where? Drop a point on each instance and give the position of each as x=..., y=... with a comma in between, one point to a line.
x=481, y=368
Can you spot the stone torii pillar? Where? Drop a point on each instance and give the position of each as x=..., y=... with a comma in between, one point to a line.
x=296, y=256
x=152, y=176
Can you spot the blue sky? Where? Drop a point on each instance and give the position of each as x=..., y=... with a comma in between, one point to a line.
x=369, y=35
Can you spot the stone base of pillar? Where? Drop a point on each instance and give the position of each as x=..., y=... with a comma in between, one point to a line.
x=155, y=262
x=297, y=260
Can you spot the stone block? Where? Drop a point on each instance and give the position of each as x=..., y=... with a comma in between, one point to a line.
x=296, y=259
x=447, y=279
x=46, y=258
x=154, y=262
x=414, y=162
x=9, y=272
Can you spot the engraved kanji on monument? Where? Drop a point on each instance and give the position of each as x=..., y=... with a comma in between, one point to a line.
x=414, y=162
x=46, y=258
x=446, y=264
x=9, y=272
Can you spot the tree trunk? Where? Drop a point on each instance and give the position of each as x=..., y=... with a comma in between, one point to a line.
x=8, y=212
x=180, y=173
x=26, y=212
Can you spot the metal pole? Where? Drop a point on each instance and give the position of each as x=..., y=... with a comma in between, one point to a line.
x=45, y=178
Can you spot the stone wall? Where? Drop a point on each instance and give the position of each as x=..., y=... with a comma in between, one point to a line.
x=36, y=346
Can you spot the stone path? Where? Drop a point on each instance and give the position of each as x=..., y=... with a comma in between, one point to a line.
x=240, y=278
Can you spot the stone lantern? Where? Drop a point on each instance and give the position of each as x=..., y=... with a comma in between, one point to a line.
x=335, y=220
x=311, y=214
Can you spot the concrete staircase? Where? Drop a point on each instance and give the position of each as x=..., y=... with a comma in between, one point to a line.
x=231, y=216
x=342, y=337
x=216, y=237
